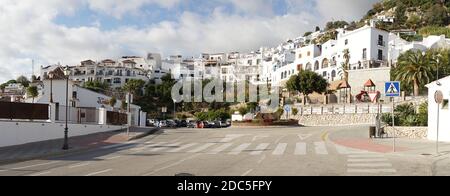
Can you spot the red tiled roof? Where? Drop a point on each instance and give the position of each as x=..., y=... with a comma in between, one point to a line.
x=344, y=84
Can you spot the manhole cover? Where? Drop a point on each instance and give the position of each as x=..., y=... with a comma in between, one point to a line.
x=184, y=174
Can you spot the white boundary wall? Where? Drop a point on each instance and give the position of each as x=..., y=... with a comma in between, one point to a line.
x=16, y=133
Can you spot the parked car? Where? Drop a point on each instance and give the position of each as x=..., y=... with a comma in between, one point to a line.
x=162, y=123
x=151, y=122
x=171, y=123
x=192, y=124
x=181, y=123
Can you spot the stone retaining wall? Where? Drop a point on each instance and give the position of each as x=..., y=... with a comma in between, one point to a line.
x=408, y=132
x=337, y=119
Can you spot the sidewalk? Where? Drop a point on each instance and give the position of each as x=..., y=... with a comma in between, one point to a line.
x=53, y=147
x=358, y=138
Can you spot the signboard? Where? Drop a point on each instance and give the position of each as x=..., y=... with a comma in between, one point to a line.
x=439, y=97
x=392, y=89
x=287, y=108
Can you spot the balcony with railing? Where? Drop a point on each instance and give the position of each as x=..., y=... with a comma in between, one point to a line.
x=381, y=43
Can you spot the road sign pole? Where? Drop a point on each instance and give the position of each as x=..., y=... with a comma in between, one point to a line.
x=439, y=99
x=393, y=123
x=437, y=130
x=393, y=89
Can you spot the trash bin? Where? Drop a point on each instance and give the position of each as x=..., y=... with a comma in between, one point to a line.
x=372, y=132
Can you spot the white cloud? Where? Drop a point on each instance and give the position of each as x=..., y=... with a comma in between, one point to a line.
x=118, y=8
x=28, y=32
x=254, y=7
x=348, y=10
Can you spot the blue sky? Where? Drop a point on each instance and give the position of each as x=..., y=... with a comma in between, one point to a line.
x=69, y=31
x=152, y=14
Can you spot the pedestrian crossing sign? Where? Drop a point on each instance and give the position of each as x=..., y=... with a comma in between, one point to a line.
x=392, y=89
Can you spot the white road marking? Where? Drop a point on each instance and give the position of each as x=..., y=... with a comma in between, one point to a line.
x=369, y=165
x=371, y=171
x=320, y=148
x=346, y=150
x=164, y=147
x=183, y=147
x=300, y=148
x=304, y=136
x=41, y=174
x=366, y=156
x=171, y=165
x=247, y=172
x=259, y=137
x=42, y=164
x=79, y=165
x=367, y=160
x=231, y=137
x=239, y=149
x=260, y=149
x=279, y=150
x=111, y=158
x=201, y=148
x=149, y=146
x=220, y=148
x=99, y=172
x=262, y=159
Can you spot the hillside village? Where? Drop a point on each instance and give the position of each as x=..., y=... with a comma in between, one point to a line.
x=347, y=55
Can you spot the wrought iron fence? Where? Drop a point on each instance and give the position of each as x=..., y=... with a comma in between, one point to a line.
x=116, y=118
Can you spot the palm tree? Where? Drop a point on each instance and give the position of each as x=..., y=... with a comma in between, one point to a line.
x=414, y=68
x=112, y=102
x=32, y=92
x=345, y=65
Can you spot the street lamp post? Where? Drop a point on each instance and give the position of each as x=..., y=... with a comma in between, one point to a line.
x=50, y=76
x=66, y=128
x=174, y=109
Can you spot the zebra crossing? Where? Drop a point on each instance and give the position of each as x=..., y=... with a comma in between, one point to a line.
x=254, y=148
x=367, y=163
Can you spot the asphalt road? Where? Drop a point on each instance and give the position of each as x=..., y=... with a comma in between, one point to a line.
x=277, y=151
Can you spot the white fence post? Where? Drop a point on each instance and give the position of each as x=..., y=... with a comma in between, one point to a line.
x=53, y=112
x=102, y=116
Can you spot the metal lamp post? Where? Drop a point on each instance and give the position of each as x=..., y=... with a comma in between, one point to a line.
x=50, y=76
x=66, y=129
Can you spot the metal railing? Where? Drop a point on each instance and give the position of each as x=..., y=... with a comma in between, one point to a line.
x=343, y=109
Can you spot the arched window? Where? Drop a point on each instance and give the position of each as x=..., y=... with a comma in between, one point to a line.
x=325, y=63
x=316, y=66
x=308, y=67
x=333, y=75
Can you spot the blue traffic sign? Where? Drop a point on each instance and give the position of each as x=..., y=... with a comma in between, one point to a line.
x=287, y=108
x=392, y=89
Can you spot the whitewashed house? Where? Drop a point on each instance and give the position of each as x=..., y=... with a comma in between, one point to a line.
x=442, y=85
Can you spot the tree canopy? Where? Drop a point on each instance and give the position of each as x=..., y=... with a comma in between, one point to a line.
x=307, y=82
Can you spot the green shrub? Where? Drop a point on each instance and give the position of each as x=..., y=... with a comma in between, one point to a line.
x=405, y=115
x=422, y=116
x=294, y=111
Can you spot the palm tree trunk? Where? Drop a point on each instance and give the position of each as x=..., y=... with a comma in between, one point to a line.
x=416, y=88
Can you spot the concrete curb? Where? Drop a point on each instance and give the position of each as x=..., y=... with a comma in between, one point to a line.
x=139, y=136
